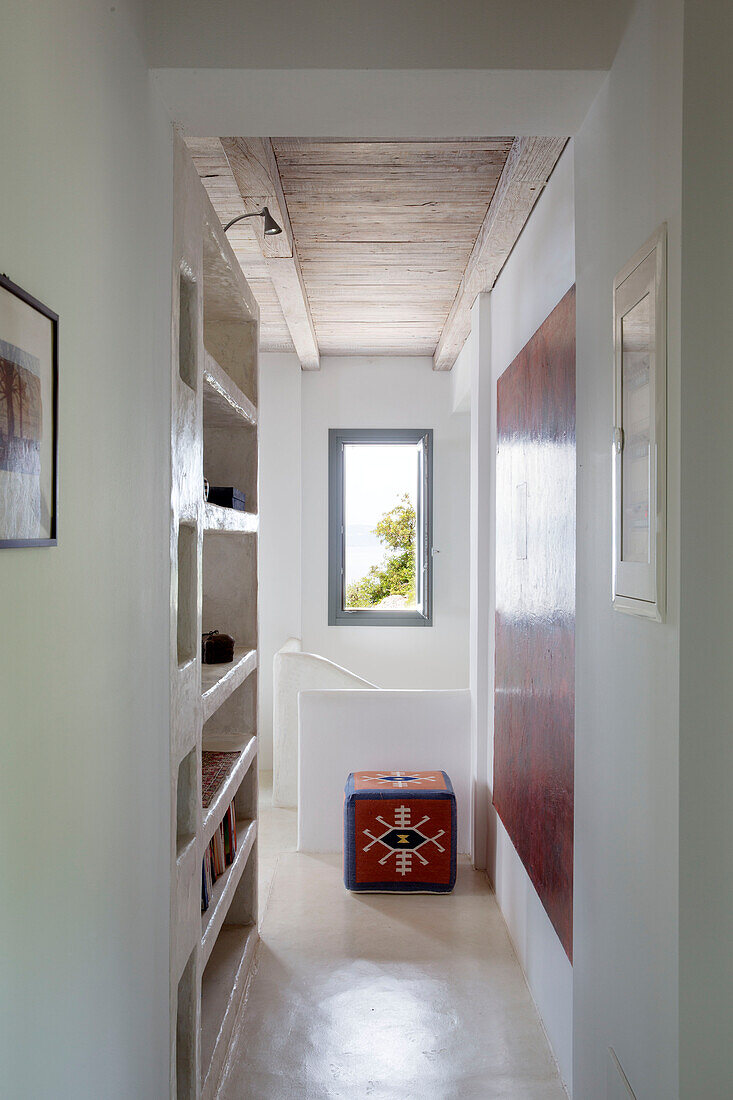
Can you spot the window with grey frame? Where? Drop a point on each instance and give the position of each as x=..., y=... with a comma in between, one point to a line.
x=380, y=559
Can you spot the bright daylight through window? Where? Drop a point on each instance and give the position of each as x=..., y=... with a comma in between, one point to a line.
x=380, y=529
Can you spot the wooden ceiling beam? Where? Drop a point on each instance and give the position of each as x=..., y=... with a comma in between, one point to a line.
x=526, y=171
x=254, y=167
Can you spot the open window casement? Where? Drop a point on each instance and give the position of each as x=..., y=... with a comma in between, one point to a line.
x=380, y=479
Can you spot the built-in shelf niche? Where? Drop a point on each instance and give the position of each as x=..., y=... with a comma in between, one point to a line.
x=245, y=799
x=186, y=1033
x=233, y=344
x=242, y=911
x=222, y=986
x=230, y=727
x=214, y=426
x=231, y=900
x=186, y=610
x=227, y=947
x=187, y=328
x=230, y=454
x=230, y=331
x=219, y=681
x=230, y=587
x=186, y=801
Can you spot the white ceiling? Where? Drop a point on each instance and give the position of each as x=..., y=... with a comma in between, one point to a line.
x=383, y=34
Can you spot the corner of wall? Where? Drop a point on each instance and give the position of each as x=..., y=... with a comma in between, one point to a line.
x=280, y=493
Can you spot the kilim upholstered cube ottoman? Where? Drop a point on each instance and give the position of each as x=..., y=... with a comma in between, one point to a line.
x=399, y=832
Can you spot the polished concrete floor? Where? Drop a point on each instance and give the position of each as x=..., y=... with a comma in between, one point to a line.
x=278, y=834
x=385, y=997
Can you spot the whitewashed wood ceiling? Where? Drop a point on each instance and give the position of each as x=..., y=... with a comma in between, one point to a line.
x=385, y=243
x=384, y=231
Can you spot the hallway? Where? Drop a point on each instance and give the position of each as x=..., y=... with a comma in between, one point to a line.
x=366, y=402
x=389, y=997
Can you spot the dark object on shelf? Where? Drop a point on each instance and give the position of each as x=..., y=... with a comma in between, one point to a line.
x=226, y=496
x=216, y=648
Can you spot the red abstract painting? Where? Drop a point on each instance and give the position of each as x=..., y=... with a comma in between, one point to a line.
x=534, y=702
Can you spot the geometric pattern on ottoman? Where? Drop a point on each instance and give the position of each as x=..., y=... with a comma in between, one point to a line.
x=399, y=832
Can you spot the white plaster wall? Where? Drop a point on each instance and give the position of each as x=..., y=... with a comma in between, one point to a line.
x=706, y=605
x=294, y=672
x=473, y=369
x=460, y=375
x=385, y=392
x=627, y=181
x=85, y=225
x=538, y=273
x=350, y=730
x=280, y=520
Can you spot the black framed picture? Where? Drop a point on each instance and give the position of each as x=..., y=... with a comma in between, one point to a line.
x=28, y=419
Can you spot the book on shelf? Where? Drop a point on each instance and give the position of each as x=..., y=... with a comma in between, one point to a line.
x=206, y=882
x=219, y=855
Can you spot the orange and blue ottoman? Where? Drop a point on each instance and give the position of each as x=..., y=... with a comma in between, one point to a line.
x=399, y=832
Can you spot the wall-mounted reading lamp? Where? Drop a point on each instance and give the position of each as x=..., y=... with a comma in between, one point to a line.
x=270, y=228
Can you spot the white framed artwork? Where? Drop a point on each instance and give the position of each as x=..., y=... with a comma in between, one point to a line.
x=640, y=432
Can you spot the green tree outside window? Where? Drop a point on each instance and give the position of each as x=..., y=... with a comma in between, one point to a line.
x=395, y=576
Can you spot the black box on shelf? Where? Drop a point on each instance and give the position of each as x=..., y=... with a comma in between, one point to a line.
x=227, y=496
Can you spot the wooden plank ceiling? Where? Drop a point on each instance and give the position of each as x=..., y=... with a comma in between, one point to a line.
x=385, y=243
x=384, y=231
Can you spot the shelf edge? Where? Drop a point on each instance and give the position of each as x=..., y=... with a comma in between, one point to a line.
x=228, y=391
x=229, y=521
x=237, y=672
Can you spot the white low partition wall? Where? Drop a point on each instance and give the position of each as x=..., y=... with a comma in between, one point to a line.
x=355, y=730
x=294, y=671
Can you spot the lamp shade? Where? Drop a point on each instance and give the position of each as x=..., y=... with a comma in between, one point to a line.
x=270, y=227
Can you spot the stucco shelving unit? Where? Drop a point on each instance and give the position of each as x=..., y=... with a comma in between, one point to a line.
x=213, y=587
